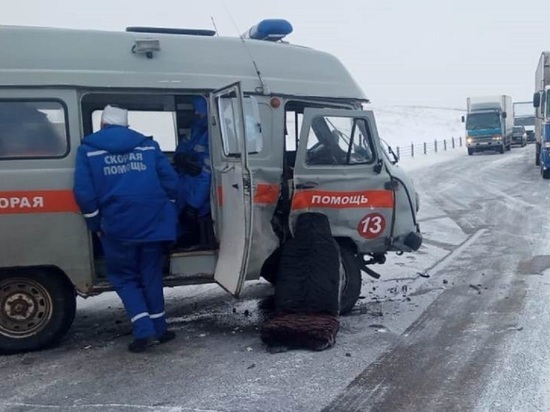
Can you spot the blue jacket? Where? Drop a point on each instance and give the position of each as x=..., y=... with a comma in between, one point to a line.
x=195, y=190
x=125, y=186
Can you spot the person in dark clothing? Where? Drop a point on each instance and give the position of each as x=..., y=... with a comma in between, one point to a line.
x=126, y=190
x=192, y=159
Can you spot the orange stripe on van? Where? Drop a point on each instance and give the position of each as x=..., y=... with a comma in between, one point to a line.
x=266, y=194
x=376, y=199
x=37, y=201
x=220, y=196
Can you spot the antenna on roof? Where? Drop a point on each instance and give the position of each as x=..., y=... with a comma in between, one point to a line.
x=214, y=24
x=264, y=88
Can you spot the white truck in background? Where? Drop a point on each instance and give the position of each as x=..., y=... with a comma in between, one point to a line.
x=524, y=115
x=489, y=123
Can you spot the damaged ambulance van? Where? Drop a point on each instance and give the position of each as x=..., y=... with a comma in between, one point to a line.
x=288, y=135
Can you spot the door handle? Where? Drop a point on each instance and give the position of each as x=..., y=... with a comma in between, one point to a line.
x=227, y=168
x=306, y=185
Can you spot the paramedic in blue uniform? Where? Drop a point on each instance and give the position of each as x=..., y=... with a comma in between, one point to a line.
x=126, y=190
x=192, y=159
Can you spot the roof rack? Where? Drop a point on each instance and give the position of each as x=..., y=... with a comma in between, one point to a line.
x=168, y=30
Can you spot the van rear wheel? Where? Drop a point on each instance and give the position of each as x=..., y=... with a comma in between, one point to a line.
x=37, y=308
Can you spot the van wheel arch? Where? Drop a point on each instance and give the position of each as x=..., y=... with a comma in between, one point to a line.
x=37, y=308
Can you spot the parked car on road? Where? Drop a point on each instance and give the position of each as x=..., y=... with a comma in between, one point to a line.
x=519, y=135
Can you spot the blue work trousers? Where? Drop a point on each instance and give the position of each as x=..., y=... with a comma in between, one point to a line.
x=135, y=271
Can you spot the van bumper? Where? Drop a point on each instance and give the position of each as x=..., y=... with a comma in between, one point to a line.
x=409, y=242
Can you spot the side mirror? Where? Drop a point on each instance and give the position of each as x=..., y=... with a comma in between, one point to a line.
x=463, y=119
x=504, y=115
x=394, y=155
x=536, y=100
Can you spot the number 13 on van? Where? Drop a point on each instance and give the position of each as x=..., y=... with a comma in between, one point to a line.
x=372, y=225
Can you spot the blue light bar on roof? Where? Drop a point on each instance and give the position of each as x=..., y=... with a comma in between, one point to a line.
x=270, y=30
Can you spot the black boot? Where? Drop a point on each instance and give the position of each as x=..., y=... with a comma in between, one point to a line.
x=141, y=345
x=167, y=336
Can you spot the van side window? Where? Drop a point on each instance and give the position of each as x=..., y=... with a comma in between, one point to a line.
x=32, y=129
x=231, y=125
x=160, y=125
x=338, y=141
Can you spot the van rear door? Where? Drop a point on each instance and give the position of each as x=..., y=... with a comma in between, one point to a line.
x=340, y=172
x=234, y=182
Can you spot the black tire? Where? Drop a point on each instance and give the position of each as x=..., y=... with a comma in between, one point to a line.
x=37, y=308
x=470, y=151
x=501, y=150
x=351, y=287
x=351, y=277
x=545, y=173
x=537, y=154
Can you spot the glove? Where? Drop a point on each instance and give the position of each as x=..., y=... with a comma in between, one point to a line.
x=189, y=214
x=187, y=164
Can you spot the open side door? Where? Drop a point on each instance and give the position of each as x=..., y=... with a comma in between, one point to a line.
x=234, y=188
x=340, y=172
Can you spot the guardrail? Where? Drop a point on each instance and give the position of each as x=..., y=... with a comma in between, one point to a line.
x=428, y=147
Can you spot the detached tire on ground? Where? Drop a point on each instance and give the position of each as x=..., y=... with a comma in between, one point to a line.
x=37, y=308
x=351, y=281
x=351, y=277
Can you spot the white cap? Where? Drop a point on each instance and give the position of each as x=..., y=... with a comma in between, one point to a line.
x=114, y=116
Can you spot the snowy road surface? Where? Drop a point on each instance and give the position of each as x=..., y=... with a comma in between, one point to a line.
x=461, y=325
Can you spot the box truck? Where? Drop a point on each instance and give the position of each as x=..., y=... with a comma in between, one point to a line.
x=542, y=114
x=489, y=123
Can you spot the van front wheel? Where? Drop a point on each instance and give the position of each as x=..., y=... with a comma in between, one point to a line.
x=351, y=281
x=36, y=309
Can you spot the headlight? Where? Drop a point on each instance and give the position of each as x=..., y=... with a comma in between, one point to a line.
x=469, y=140
x=497, y=137
x=547, y=145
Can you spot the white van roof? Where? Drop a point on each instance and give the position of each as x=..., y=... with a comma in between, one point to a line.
x=35, y=56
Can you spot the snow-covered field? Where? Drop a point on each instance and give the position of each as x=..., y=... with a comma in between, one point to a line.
x=403, y=125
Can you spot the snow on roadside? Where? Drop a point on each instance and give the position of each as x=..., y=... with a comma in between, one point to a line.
x=403, y=125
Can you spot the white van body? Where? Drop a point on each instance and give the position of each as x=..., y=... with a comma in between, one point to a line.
x=277, y=114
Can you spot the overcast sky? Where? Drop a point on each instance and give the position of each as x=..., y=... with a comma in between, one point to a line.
x=423, y=52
